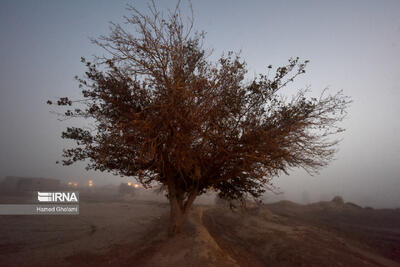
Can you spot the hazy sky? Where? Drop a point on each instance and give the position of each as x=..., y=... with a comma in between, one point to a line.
x=352, y=45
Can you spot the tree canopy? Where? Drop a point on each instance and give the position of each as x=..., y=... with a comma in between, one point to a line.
x=164, y=113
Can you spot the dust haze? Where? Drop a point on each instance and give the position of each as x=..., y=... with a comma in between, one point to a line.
x=349, y=210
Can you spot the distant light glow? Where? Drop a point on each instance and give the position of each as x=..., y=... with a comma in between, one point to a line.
x=136, y=185
x=129, y=184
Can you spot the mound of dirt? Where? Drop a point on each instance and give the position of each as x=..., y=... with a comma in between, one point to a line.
x=253, y=240
x=371, y=231
x=338, y=200
x=194, y=247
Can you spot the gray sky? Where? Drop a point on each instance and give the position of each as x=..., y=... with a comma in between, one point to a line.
x=352, y=45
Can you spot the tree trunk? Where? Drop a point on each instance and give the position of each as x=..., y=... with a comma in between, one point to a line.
x=179, y=209
x=176, y=217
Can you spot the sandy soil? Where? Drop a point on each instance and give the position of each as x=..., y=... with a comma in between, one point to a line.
x=275, y=240
x=40, y=240
x=132, y=232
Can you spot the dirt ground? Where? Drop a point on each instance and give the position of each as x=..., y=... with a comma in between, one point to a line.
x=38, y=240
x=132, y=232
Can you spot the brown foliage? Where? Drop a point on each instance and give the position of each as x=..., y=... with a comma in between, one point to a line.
x=165, y=114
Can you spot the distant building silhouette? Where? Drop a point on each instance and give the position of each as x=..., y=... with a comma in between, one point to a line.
x=13, y=184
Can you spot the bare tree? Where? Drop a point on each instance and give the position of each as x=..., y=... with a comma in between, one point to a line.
x=165, y=114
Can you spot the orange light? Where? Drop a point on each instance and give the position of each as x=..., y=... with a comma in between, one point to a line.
x=76, y=184
x=69, y=183
x=129, y=183
x=136, y=186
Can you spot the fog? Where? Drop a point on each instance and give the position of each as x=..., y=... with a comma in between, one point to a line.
x=352, y=46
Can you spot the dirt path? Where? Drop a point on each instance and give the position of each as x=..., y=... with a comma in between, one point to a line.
x=193, y=247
